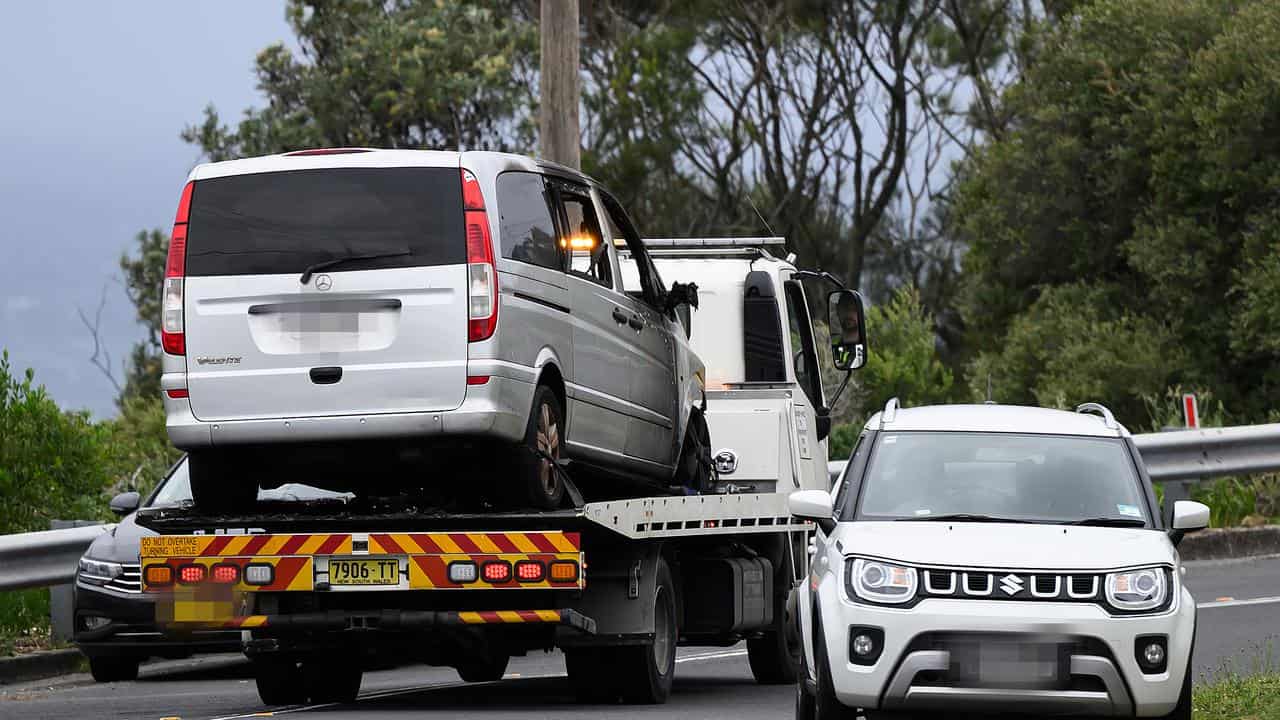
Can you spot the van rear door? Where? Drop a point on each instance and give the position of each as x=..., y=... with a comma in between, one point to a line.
x=378, y=326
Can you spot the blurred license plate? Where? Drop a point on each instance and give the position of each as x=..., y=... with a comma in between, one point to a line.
x=1004, y=663
x=364, y=571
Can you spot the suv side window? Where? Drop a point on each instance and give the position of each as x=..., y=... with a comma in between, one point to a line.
x=582, y=240
x=624, y=232
x=527, y=231
x=804, y=351
x=851, y=468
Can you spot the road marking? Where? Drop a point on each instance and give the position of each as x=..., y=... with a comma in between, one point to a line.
x=711, y=656
x=1238, y=603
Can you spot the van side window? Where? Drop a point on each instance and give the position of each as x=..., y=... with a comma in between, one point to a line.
x=625, y=235
x=527, y=231
x=583, y=242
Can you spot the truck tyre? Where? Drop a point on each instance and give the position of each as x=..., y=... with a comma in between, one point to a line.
x=279, y=682
x=488, y=668
x=220, y=482
x=545, y=433
x=645, y=672
x=113, y=669
x=775, y=655
x=331, y=681
x=590, y=676
x=693, y=471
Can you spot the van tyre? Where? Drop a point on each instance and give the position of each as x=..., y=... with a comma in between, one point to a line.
x=113, y=669
x=693, y=471
x=543, y=486
x=487, y=668
x=331, y=681
x=279, y=682
x=221, y=482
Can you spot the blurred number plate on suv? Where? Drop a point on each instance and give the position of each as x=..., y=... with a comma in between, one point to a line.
x=364, y=571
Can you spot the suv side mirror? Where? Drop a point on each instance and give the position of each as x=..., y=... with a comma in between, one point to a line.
x=1189, y=516
x=813, y=505
x=125, y=503
x=848, y=327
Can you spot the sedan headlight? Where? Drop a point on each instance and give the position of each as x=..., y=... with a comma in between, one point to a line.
x=98, y=572
x=1137, y=590
x=880, y=582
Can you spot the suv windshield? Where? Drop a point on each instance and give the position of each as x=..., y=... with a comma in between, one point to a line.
x=996, y=476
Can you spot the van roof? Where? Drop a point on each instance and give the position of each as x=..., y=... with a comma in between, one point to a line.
x=374, y=158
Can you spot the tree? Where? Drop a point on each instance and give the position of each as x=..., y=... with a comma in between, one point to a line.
x=1122, y=233
x=388, y=74
x=143, y=281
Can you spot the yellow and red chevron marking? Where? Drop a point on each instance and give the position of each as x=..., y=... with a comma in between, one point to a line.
x=291, y=573
x=457, y=543
x=487, y=617
x=432, y=571
x=245, y=545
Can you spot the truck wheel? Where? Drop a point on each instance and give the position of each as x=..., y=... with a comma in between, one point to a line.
x=113, y=669
x=693, y=470
x=590, y=675
x=489, y=668
x=219, y=482
x=646, y=671
x=775, y=656
x=331, y=681
x=279, y=682
x=545, y=433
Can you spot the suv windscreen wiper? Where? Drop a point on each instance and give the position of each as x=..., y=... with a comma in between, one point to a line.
x=966, y=517
x=334, y=262
x=1109, y=522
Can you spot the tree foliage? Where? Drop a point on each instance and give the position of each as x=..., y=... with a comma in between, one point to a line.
x=1123, y=233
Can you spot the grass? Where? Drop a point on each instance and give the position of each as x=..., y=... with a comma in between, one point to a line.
x=24, y=621
x=1256, y=697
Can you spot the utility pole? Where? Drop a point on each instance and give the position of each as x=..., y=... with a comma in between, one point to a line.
x=559, y=85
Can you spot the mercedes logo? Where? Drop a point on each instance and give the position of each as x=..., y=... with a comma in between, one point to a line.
x=726, y=462
x=323, y=282
x=1011, y=584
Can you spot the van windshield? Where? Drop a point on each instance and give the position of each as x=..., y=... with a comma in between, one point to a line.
x=283, y=222
x=1002, y=476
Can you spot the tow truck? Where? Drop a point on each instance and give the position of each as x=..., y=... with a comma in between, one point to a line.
x=321, y=590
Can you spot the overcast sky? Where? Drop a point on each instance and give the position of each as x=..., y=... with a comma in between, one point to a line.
x=92, y=98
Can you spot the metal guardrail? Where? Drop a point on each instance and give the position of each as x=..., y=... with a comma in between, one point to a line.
x=1195, y=454
x=41, y=559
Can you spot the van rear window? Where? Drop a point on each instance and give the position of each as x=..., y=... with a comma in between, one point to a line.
x=281, y=222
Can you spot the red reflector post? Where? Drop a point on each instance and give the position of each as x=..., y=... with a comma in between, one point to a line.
x=191, y=574
x=498, y=571
x=226, y=573
x=530, y=571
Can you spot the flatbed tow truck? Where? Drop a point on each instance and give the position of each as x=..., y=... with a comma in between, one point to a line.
x=322, y=590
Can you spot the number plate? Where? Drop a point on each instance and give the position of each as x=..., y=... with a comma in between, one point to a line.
x=364, y=571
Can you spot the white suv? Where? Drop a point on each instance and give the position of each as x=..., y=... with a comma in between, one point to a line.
x=993, y=558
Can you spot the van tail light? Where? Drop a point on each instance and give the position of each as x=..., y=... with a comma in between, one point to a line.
x=482, y=276
x=172, y=328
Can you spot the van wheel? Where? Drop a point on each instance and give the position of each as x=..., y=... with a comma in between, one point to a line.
x=545, y=435
x=693, y=470
x=220, y=482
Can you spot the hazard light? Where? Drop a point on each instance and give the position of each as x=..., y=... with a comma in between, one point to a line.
x=159, y=575
x=564, y=571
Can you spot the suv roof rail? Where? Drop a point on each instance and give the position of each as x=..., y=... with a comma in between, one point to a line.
x=713, y=242
x=1098, y=408
x=890, y=411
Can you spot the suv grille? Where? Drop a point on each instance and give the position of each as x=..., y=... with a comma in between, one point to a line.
x=997, y=585
x=129, y=581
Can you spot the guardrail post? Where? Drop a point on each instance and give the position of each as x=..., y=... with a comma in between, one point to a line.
x=61, y=597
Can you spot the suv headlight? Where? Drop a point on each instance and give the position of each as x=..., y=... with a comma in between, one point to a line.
x=98, y=572
x=880, y=582
x=1137, y=590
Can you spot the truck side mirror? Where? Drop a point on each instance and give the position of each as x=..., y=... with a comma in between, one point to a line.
x=848, y=327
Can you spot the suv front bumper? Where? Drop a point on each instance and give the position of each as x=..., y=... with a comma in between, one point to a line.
x=1108, y=681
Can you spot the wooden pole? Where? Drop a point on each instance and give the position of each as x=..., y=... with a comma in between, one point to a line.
x=559, y=86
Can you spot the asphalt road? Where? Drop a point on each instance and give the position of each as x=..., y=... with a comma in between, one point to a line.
x=1239, y=621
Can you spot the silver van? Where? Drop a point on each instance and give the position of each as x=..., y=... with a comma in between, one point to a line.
x=332, y=312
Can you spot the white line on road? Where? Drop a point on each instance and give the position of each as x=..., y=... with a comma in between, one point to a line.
x=711, y=656
x=1238, y=603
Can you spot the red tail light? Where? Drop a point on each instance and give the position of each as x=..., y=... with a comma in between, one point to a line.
x=226, y=573
x=172, y=327
x=191, y=574
x=482, y=275
x=530, y=571
x=496, y=571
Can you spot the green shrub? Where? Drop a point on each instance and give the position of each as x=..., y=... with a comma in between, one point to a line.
x=24, y=619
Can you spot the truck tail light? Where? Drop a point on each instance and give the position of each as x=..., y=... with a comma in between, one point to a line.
x=564, y=571
x=462, y=572
x=225, y=573
x=482, y=275
x=159, y=575
x=258, y=574
x=497, y=571
x=172, y=327
x=191, y=574
x=530, y=571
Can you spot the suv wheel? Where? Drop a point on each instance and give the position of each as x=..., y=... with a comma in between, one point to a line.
x=826, y=706
x=544, y=437
x=1183, y=710
x=113, y=669
x=220, y=481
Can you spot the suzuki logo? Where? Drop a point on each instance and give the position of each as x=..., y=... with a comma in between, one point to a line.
x=323, y=282
x=1011, y=584
x=726, y=462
